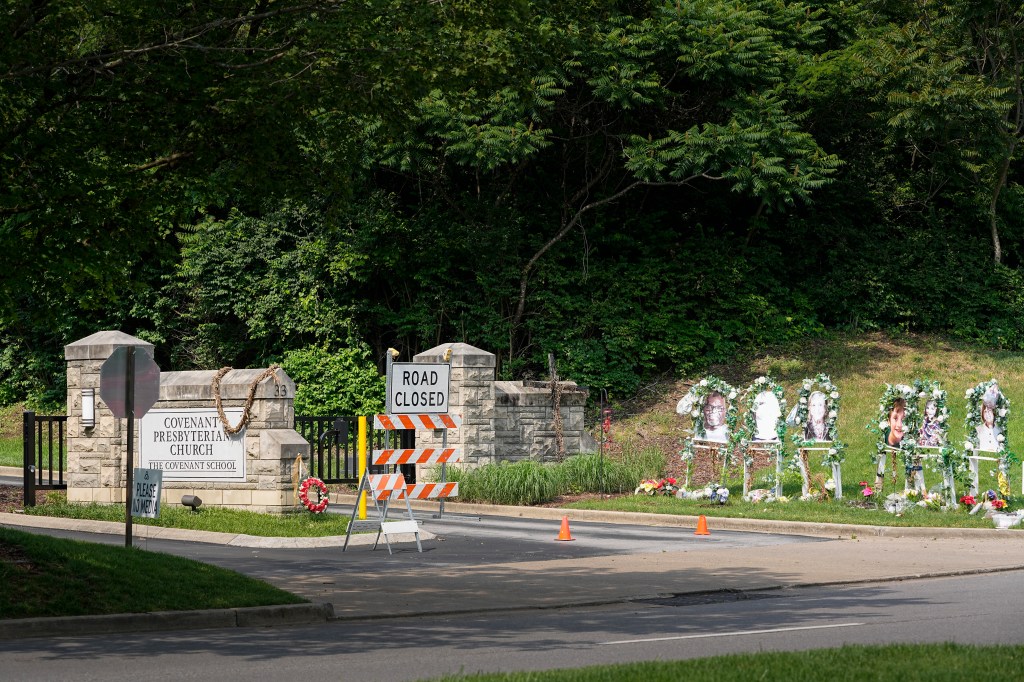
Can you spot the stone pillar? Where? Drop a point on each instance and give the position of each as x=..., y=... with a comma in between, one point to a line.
x=471, y=395
x=96, y=456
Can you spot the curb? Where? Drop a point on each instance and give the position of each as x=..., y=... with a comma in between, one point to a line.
x=808, y=528
x=144, y=532
x=254, y=616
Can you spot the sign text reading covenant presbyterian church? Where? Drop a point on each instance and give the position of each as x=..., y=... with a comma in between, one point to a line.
x=190, y=445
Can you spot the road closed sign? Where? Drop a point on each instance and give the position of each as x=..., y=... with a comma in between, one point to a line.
x=419, y=388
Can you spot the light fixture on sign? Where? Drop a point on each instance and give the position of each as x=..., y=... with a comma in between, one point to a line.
x=88, y=408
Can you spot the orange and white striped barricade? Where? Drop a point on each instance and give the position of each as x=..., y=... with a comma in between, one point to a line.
x=423, y=491
x=423, y=422
x=384, y=488
x=443, y=455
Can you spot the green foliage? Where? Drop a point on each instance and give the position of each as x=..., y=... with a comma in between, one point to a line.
x=517, y=483
x=344, y=381
x=528, y=482
x=638, y=188
x=592, y=473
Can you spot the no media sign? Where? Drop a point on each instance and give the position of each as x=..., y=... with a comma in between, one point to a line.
x=418, y=388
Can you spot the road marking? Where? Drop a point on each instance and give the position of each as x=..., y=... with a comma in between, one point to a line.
x=735, y=633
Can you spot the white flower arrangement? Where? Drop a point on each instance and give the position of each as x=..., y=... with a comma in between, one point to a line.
x=823, y=383
x=1001, y=411
x=911, y=422
x=897, y=503
x=748, y=430
x=712, y=491
x=930, y=390
x=696, y=398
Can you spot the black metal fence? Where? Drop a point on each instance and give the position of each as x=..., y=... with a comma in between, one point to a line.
x=44, y=460
x=334, y=443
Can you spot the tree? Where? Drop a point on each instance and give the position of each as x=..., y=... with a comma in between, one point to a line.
x=677, y=95
x=948, y=78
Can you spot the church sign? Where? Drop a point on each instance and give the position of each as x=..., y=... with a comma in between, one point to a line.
x=191, y=445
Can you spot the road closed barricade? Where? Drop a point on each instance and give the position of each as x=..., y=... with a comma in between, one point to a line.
x=427, y=456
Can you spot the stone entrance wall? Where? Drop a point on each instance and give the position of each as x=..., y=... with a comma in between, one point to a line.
x=97, y=455
x=505, y=420
x=501, y=420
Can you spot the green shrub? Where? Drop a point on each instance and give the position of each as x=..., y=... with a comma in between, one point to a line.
x=341, y=381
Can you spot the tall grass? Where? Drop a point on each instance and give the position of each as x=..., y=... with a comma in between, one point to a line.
x=519, y=483
x=529, y=482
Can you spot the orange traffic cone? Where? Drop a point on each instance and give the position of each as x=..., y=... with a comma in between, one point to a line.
x=564, y=533
x=702, y=526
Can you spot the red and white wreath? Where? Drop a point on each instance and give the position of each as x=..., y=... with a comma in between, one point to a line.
x=320, y=489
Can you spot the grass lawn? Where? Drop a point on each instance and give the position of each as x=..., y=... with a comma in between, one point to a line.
x=832, y=511
x=44, y=576
x=11, y=452
x=297, y=524
x=903, y=662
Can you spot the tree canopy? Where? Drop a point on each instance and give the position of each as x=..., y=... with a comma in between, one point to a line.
x=636, y=187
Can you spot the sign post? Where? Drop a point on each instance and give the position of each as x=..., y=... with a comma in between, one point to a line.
x=130, y=386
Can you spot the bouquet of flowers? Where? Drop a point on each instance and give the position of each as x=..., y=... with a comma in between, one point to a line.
x=968, y=501
x=650, y=486
x=763, y=495
x=712, y=491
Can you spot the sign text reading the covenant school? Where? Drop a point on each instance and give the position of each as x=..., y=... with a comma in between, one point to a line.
x=191, y=445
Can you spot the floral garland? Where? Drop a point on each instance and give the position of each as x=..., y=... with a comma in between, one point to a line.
x=911, y=422
x=975, y=396
x=693, y=403
x=749, y=428
x=949, y=458
x=932, y=391
x=833, y=401
x=321, y=494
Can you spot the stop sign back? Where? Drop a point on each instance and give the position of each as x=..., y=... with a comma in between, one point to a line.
x=114, y=382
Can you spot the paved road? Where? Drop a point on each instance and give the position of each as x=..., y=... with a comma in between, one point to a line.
x=977, y=609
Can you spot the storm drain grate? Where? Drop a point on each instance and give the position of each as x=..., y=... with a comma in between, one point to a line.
x=700, y=598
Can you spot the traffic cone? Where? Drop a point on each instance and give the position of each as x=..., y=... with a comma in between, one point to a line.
x=564, y=533
x=702, y=526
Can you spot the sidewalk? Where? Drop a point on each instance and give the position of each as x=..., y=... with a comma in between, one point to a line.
x=843, y=554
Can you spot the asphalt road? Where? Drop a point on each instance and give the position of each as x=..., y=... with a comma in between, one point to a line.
x=980, y=609
x=461, y=541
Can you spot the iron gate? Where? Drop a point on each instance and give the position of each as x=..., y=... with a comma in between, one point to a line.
x=333, y=444
x=44, y=459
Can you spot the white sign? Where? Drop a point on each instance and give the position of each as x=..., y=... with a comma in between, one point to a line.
x=146, y=492
x=419, y=388
x=191, y=445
